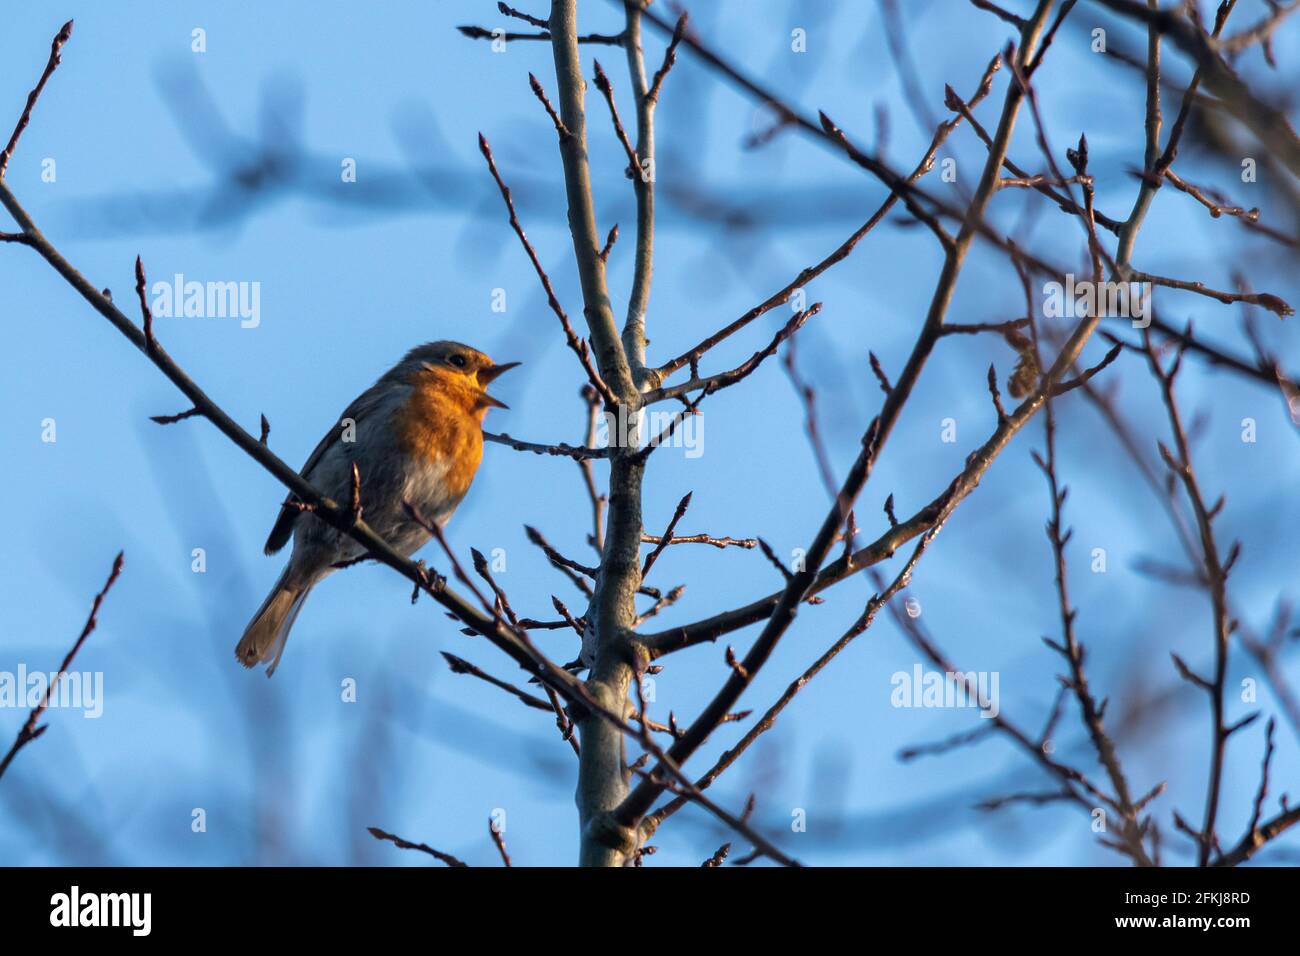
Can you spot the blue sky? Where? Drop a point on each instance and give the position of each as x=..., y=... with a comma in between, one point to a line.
x=351, y=275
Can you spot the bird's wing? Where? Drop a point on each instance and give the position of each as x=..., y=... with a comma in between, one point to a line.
x=365, y=404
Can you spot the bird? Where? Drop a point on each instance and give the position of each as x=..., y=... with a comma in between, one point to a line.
x=416, y=439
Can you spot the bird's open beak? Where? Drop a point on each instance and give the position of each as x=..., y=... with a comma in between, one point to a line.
x=489, y=375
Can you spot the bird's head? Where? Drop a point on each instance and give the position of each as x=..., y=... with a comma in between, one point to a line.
x=460, y=369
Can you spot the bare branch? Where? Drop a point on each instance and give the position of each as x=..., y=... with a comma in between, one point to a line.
x=482, y=33
x=438, y=855
x=578, y=453
x=576, y=344
x=29, y=731
x=499, y=839
x=56, y=48
x=459, y=665
x=667, y=537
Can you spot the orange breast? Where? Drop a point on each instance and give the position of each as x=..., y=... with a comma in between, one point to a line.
x=437, y=425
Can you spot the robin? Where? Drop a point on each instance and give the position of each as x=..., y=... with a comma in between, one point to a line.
x=416, y=436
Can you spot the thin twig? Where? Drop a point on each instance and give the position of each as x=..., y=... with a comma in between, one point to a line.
x=56, y=47
x=447, y=858
x=667, y=537
x=578, y=346
x=499, y=839
x=29, y=731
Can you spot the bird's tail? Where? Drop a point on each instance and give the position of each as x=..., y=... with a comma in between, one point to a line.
x=267, y=632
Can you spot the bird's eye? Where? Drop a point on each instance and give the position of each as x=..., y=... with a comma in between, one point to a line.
x=457, y=360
